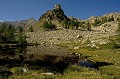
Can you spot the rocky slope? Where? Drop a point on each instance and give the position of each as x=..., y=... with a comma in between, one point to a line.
x=102, y=27
x=99, y=35
x=105, y=27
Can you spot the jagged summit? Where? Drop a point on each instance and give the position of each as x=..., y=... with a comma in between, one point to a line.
x=55, y=14
x=57, y=6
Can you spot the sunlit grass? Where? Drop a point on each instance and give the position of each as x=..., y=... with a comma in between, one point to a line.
x=100, y=55
x=72, y=72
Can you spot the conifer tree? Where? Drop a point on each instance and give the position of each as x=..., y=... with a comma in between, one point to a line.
x=30, y=29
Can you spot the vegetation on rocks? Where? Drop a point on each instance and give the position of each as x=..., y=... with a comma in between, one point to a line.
x=48, y=26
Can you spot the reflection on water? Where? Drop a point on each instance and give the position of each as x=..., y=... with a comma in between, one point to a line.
x=49, y=58
x=47, y=50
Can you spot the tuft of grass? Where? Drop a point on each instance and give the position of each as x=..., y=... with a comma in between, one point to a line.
x=77, y=72
x=34, y=74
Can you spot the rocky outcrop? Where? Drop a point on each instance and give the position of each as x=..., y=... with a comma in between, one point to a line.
x=56, y=14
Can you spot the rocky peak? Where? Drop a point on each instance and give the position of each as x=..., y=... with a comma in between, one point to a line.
x=57, y=6
x=55, y=14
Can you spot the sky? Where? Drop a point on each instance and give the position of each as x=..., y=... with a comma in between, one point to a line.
x=12, y=10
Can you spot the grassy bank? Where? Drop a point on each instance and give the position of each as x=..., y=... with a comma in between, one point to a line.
x=102, y=54
x=105, y=71
x=72, y=72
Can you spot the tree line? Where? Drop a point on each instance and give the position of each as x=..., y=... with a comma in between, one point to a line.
x=10, y=34
x=74, y=25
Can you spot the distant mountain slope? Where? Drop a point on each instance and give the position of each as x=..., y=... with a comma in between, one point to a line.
x=23, y=23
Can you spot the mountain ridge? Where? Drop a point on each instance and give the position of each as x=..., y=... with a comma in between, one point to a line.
x=57, y=17
x=61, y=21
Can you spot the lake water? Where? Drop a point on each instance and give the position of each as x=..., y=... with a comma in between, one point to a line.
x=49, y=58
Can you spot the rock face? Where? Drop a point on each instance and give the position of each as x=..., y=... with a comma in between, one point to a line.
x=70, y=36
x=56, y=14
x=57, y=6
x=100, y=34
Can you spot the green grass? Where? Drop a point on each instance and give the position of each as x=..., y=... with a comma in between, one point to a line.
x=104, y=54
x=72, y=72
x=77, y=72
x=101, y=55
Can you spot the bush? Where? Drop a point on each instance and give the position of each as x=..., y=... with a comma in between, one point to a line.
x=48, y=25
x=96, y=22
x=7, y=33
x=65, y=24
x=17, y=70
x=118, y=30
x=20, y=29
x=21, y=39
x=2, y=28
x=88, y=26
x=30, y=29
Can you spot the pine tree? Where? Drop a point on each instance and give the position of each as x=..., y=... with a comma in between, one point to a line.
x=76, y=24
x=118, y=19
x=88, y=26
x=71, y=25
x=81, y=25
x=65, y=24
x=3, y=27
x=9, y=34
x=104, y=19
x=118, y=30
x=20, y=29
x=48, y=25
x=21, y=39
x=95, y=22
x=112, y=18
x=30, y=29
